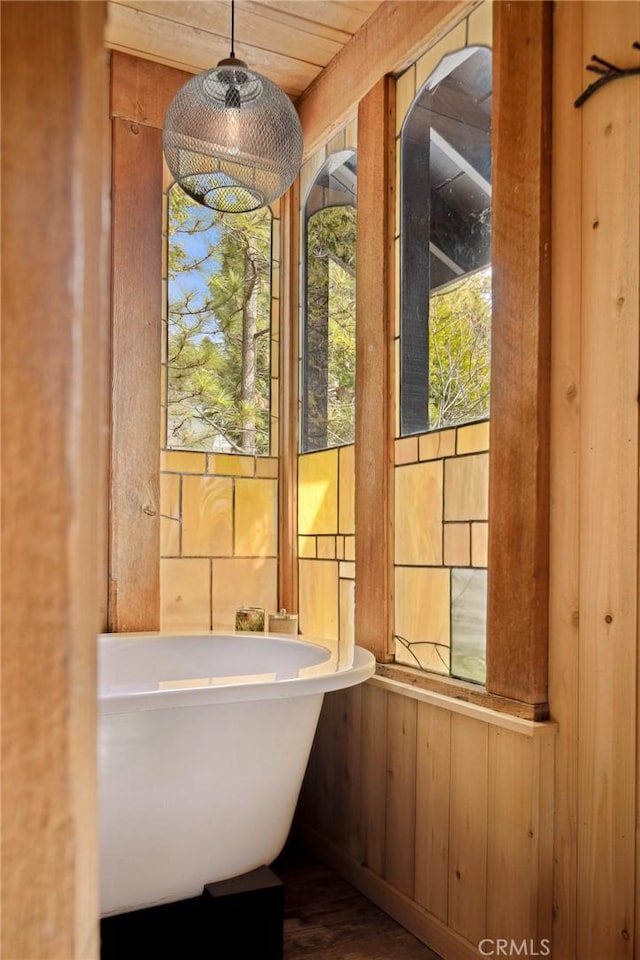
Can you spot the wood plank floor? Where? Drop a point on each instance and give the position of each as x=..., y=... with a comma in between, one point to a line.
x=325, y=918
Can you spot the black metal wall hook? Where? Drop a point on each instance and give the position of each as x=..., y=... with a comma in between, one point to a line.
x=608, y=71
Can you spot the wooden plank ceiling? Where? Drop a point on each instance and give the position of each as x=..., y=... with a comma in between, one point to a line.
x=289, y=41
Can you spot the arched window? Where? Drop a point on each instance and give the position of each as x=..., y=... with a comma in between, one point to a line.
x=219, y=328
x=329, y=320
x=445, y=310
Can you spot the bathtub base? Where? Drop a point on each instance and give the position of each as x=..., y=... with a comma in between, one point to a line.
x=246, y=912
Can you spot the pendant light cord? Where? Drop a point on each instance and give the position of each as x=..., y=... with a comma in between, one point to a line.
x=233, y=26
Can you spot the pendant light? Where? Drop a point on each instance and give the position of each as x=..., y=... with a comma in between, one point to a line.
x=232, y=138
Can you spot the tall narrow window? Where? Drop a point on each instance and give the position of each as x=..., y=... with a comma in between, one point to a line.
x=328, y=358
x=218, y=337
x=446, y=246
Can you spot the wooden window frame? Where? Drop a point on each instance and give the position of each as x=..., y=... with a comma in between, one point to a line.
x=308, y=396
x=519, y=476
x=272, y=420
x=517, y=605
x=418, y=217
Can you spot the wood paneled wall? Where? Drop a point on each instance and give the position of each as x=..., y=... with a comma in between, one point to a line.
x=594, y=490
x=54, y=369
x=457, y=825
x=440, y=812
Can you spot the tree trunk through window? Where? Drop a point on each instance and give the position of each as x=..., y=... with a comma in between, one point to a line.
x=249, y=334
x=317, y=352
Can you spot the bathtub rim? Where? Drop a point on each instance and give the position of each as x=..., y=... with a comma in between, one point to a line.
x=336, y=677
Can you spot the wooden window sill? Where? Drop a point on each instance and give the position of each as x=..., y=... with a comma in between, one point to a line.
x=461, y=691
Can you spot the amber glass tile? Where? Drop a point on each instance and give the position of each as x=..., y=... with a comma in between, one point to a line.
x=481, y=26
x=308, y=172
x=349, y=548
x=163, y=302
x=267, y=467
x=396, y=290
x=326, y=548
x=307, y=547
x=347, y=612
x=405, y=92
x=418, y=513
x=479, y=538
x=163, y=348
x=454, y=40
x=396, y=377
x=347, y=570
x=242, y=582
x=182, y=461
x=466, y=487
x=424, y=656
x=397, y=214
x=231, y=465
x=457, y=544
x=169, y=537
x=170, y=495
x=167, y=183
x=336, y=143
x=339, y=548
x=473, y=438
x=351, y=135
x=163, y=384
x=318, y=600
x=256, y=518
x=274, y=438
x=346, y=521
x=163, y=426
x=422, y=604
x=406, y=450
x=440, y=443
x=275, y=359
x=185, y=601
x=275, y=325
x=318, y=492
x=165, y=256
x=207, y=520
x=275, y=233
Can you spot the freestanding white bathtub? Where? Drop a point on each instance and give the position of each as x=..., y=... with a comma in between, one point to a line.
x=203, y=742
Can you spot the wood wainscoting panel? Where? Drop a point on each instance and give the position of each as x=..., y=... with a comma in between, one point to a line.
x=433, y=775
x=442, y=817
x=373, y=776
x=468, y=827
x=400, y=819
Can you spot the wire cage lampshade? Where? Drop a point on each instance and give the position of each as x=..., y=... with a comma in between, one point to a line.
x=232, y=138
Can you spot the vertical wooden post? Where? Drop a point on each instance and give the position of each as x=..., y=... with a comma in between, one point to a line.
x=374, y=299
x=135, y=448
x=517, y=607
x=54, y=103
x=288, y=468
x=564, y=525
